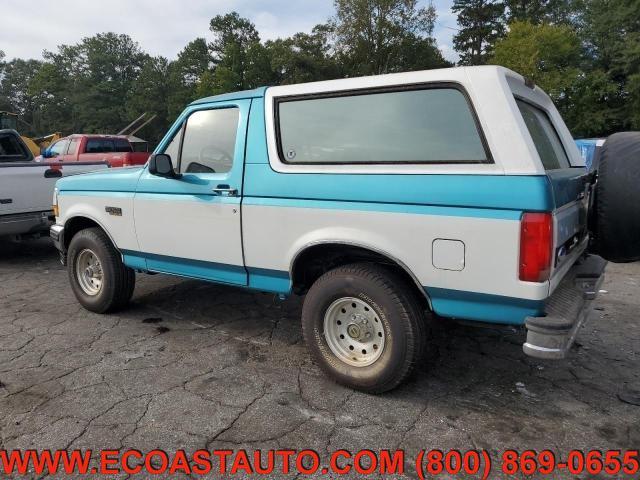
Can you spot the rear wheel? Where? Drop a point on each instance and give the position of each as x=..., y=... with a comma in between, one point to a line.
x=99, y=279
x=616, y=218
x=364, y=327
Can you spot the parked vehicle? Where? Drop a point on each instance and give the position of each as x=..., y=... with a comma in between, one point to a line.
x=9, y=120
x=386, y=200
x=26, y=187
x=117, y=150
x=589, y=148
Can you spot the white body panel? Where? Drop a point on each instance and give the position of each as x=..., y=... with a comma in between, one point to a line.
x=204, y=230
x=121, y=229
x=273, y=237
x=28, y=189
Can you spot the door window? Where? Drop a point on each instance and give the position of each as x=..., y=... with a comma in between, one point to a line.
x=209, y=141
x=73, y=146
x=59, y=148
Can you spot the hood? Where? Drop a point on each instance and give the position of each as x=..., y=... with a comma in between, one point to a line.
x=109, y=180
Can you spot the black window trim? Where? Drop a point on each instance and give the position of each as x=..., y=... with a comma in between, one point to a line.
x=555, y=130
x=377, y=90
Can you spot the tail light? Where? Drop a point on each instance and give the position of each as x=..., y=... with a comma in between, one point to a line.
x=536, y=246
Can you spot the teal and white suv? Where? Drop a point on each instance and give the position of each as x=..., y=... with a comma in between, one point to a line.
x=385, y=200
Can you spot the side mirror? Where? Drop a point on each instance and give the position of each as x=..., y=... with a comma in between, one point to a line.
x=46, y=153
x=52, y=173
x=160, y=164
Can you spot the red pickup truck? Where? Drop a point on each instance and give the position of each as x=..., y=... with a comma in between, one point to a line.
x=117, y=150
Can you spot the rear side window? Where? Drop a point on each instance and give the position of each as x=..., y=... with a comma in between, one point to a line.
x=122, y=145
x=427, y=125
x=544, y=136
x=99, y=145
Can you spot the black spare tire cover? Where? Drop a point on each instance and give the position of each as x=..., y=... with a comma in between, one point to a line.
x=616, y=216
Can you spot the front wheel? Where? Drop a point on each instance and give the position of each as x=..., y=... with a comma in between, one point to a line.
x=364, y=327
x=99, y=279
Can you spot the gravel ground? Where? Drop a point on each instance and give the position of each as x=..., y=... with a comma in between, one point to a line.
x=194, y=365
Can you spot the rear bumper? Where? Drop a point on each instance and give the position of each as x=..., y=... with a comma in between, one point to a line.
x=551, y=336
x=25, y=223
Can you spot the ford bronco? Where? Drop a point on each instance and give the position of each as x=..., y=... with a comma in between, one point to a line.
x=386, y=200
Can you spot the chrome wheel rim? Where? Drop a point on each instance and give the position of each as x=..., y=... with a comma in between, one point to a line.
x=89, y=272
x=354, y=331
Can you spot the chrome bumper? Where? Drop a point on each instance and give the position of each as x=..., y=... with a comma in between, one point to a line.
x=551, y=336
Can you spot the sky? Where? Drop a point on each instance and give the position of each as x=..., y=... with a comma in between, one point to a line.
x=164, y=27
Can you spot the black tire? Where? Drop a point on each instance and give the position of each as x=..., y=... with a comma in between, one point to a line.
x=616, y=217
x=394, y=303
x=118, y=281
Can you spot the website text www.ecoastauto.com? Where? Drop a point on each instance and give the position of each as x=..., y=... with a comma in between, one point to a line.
x=221, y=463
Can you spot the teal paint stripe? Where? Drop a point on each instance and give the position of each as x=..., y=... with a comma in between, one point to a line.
x=134, y=260
x=483, y=307
x=87, y=193
x=181, y=197
x=496, y=192
x=185, y=267
x=263, y=279
x=385, y=207
x=267, y=280
x=568, y=184
x=109, y=180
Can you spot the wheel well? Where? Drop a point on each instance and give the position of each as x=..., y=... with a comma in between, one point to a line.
x=314, y=261
x=74, y=225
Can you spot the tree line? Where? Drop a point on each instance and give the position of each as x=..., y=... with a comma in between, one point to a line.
x=584, y=53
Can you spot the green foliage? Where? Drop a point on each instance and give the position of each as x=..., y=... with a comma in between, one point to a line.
x=303, y=57
x=481, y=23
x=548, y=54
x=233, y=39
x=381, y=36
x=542, y=11
x=185, y=73
x=149, y=94
x=15, y=77
x=612, y=34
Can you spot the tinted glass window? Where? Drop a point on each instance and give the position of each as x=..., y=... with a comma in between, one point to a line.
x=11, y=150
x=544, y=136
x=122, y=145
x=209, y=141
x=99, y=145
x=94, y=145
x=410, y=126
x=107, y=145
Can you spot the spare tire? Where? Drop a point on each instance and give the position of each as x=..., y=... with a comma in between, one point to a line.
x=616, y=217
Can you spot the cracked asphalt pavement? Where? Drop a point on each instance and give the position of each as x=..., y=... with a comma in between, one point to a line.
x=193, y=365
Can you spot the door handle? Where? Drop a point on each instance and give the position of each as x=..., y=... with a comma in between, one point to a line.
x=225, y=190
